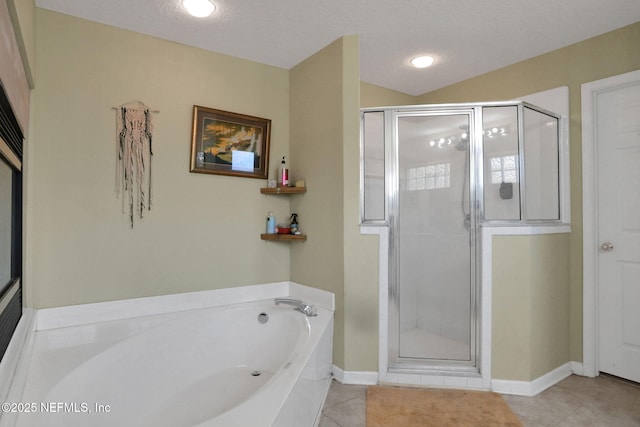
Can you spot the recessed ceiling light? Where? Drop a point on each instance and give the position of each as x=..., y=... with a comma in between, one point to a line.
x=422, y=61
x=199, y=8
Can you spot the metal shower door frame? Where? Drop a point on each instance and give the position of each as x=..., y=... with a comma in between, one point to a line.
x=396, y=363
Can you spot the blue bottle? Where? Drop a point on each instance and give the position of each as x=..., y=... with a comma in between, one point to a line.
x=271, y=223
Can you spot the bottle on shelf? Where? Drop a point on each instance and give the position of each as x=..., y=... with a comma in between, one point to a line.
x=283, y=174
x=271, y=223
x=294, y=223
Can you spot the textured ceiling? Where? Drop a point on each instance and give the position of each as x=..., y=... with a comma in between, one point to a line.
x=467, y=37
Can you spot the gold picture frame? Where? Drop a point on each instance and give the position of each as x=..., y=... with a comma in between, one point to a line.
x=227, y=143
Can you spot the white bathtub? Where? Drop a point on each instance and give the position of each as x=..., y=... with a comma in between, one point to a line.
x=211, y=367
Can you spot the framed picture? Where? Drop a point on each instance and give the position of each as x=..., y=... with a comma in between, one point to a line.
x=226, y=143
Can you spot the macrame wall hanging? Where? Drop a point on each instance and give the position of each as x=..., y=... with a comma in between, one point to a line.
x=133, y=157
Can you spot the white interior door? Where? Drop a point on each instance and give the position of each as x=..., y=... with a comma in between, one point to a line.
x=617, y=144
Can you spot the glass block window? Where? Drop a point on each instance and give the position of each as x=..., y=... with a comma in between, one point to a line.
x=429, y=177
x=504, y=169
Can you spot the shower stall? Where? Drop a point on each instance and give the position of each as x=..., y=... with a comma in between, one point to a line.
x=433, y=176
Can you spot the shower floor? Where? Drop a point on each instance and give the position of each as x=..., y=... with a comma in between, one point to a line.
x=423, y=344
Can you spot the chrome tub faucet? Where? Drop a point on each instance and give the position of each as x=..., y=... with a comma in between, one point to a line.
x=307, y=309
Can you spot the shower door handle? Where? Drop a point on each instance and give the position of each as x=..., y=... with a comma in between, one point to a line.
x=607, y=246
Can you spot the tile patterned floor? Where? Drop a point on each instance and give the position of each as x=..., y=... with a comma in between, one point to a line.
x=604, y=401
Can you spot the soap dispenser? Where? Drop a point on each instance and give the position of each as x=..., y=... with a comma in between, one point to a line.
x=294, y=223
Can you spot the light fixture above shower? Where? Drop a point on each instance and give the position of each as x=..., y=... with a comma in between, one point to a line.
x=441, y=143
x=495, y=132
x=459, y=142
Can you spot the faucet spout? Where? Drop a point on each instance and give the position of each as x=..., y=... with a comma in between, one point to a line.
x=305, y=308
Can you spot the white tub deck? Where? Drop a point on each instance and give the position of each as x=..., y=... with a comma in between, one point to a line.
x=187, y=368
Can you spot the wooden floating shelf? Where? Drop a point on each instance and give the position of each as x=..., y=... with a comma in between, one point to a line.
x=284, y=190
x=283, y=237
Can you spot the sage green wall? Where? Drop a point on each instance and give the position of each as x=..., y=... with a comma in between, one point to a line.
x=607, y=55
x=511, y=322
x=550, y=322
x=360, y=251
x=529, y=309
x=326, y=95
x=325, y=130
x=203, y=230
x=316, y=156
x=376, y=96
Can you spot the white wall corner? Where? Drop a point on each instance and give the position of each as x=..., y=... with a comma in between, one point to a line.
x=355, y=377
x=578, y=368
x=313, y=295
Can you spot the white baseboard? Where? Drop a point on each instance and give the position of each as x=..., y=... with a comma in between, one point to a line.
x=520, y=388
x=577, y=368
x=532, y=388
x=355, y=377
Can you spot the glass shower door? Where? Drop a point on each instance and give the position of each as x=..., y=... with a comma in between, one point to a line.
x=433, y=250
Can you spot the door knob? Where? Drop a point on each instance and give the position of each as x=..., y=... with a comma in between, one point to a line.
x=607, y=246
